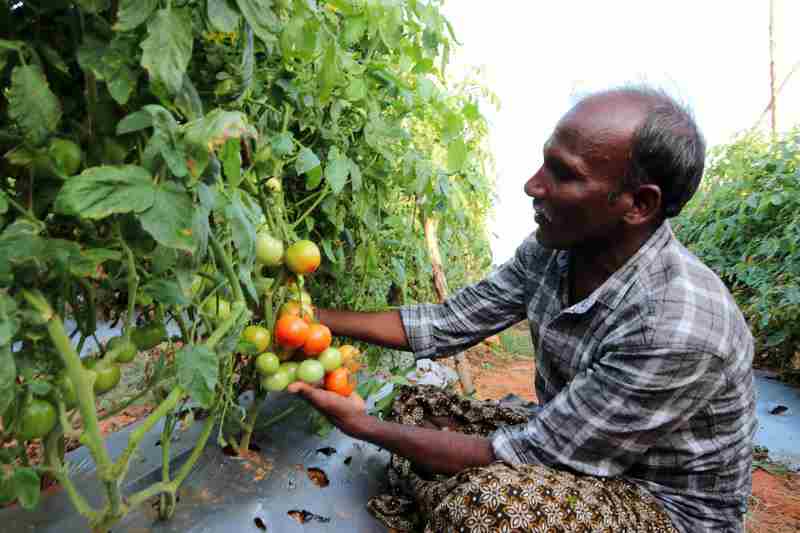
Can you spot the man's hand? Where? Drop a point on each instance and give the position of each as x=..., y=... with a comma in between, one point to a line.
x=348, y=414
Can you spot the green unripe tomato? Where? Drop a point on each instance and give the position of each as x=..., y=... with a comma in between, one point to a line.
x=269, y=250
x=65, y=155
x=290, y=367
x=106, y=376
x=127, y=349
x=218, y=309
x=267, y=364
x=149, y=336
x=276, y=382
x=310, y=371
x=38, y=418
x=331, y=359
x=113, y=152
x=257, y=336
x=67, y=389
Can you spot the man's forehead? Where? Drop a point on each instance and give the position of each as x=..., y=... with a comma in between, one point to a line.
x=598, y=124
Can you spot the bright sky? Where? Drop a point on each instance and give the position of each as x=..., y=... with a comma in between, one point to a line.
x=713, y=54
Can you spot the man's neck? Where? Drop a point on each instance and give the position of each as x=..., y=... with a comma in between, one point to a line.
x=591, y=265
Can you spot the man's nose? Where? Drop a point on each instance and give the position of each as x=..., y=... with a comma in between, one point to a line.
x=535, y=187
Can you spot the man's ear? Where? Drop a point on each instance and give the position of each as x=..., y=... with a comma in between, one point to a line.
x=646, y=205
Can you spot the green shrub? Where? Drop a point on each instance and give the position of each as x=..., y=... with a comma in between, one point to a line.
x=744, y=223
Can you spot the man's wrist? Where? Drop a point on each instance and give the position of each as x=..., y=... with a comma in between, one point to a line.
x=364, y=427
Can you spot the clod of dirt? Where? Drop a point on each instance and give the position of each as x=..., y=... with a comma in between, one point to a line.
x=318, y=477
x=327, y=451
x=348, y=461
x=304, y=516
x=260, y=524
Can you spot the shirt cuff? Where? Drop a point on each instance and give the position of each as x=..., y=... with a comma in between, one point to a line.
x=418, y=324
x=512, y=445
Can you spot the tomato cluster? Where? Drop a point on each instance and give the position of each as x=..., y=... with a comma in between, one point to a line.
x=301, y=346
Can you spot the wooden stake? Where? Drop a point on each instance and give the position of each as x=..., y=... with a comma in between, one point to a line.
x=440, y=284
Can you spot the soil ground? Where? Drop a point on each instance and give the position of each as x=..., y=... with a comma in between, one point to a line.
x=775, y=502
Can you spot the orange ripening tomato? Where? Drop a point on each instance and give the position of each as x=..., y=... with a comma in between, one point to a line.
x=351, y=357
x=294, y=308
x=302, y=257
x=319, y=338
x=340, y=381
x=291, y=331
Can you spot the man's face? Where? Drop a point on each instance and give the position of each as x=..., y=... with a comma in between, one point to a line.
x=584, y=161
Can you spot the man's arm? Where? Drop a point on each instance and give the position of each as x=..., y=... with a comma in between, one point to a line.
x=441, y=452
x=382, y=328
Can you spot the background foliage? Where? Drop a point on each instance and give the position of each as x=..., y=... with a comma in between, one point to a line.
x=744, y=223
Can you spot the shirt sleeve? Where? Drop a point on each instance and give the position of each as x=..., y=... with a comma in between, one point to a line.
x=615, y=411
x=473, y=313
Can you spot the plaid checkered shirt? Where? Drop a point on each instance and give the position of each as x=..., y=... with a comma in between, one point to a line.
x=649, y=378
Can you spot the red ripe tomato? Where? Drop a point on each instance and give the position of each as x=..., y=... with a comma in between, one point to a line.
x=319, y=338
x=340, y=381
x=303, y=257
x=291, y=331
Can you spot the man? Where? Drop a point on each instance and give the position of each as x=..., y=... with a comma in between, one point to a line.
x=643, y=360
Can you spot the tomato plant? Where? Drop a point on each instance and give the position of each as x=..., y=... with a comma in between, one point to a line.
x=125, y=350
x=142, y=157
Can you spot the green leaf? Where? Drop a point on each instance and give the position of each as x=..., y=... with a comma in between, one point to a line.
x=53, y=58
x=337, y=170
x=282, y=144
x=102, y=191
x=357, y=90
x=452, y=127
x=262, y=19
x=168, y=47
x=207, y=134
x=26, y=485
x=136, y=121
x=3, y=203
x=31, y=103
x=93, y=6
x=117, y=69
x=84, y=263
x=306, y=160
x=243, y=227
x=222, y=16
x=456, y=155
x=8, y=369
x=166, y=292
x=231, y=157
x=330, y=73
x=355, y=175
x=198, y=372
x=169, y=220
x=132, y=13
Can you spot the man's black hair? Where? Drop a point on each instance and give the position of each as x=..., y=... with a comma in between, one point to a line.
x=667, y=149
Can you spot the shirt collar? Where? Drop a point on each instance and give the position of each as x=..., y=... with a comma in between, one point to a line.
x=614, y=289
